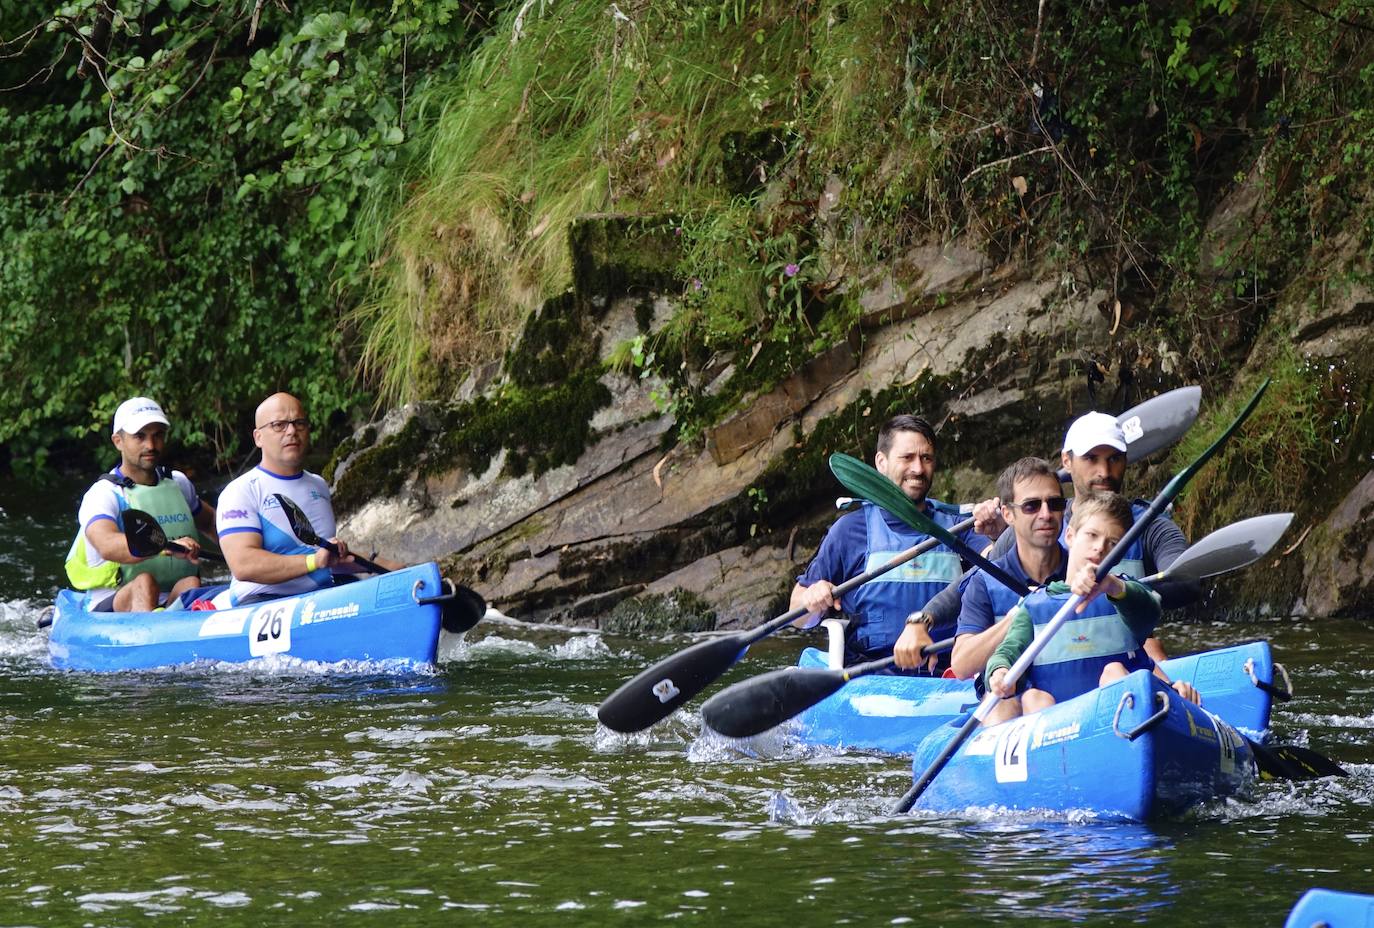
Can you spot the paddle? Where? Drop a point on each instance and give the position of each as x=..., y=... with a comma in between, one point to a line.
x=1043, y=636
x=459, y=609
x=302, y=529
x=146, y=537
x=759, y=703
x=655, y=693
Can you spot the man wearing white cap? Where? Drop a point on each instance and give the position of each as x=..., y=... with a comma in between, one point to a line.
x=1094, y=454
x=99, y=560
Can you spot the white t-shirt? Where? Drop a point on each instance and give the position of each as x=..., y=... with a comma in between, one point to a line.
x=102, y=502
x=246, y=505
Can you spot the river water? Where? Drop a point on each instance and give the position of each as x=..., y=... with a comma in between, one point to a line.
x=282, y=794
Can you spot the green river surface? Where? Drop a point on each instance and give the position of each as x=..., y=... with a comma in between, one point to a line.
x=483, y=791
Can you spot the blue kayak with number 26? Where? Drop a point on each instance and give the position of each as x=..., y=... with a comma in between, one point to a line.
x=383, y=618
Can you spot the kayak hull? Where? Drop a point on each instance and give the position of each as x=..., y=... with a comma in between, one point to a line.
x=376, y=619
x=1332, y=909
x=895, y=713
x=1130, y=751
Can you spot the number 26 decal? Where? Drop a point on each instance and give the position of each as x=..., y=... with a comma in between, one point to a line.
x=269, y=629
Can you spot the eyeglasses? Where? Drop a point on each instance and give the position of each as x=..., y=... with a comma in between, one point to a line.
x=280, y=425
x=1032, y=506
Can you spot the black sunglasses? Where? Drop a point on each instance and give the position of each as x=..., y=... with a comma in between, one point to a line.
x=1031, y=506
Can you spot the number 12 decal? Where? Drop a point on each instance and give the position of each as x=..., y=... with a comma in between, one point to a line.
x=269, y=629
x=1010, y=763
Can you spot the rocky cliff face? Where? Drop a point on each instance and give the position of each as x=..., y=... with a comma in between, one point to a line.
x=622, y=527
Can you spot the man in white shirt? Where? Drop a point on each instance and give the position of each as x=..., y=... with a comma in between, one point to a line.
x=264, y=555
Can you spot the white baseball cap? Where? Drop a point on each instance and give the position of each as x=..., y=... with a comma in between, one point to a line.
x=134, y=414
x=1091, y=430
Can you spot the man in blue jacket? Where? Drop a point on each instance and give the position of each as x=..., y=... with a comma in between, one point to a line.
x=887, y=609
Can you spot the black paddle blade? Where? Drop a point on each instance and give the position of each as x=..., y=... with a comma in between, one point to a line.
x=298, y=520
x=463, y=611
x=145, y=537
x=759, y=703
x=1291, y=762
x=656, y=693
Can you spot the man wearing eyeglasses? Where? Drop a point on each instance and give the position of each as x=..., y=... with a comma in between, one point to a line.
x=264, y=555
x=99, y=560
x=880, y=610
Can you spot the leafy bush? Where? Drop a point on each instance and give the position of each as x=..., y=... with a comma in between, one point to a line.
x=180, y=190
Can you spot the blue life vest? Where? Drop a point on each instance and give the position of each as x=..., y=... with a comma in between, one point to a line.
x=1072, y=661
x=1132, y=564
x=878, y=609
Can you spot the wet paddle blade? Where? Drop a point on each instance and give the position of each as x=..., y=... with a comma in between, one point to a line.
x=298, y=520
x=1231, y=547
x=1291, y=762
x=760, y=703
x=1159, y=422
x=141, y=530
x=657, y=693
x=463, y=611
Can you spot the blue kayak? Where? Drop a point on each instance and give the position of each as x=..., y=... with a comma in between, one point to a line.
x=1131, y=751
x=377, y=619
x=1326, y=908
x=894, y=713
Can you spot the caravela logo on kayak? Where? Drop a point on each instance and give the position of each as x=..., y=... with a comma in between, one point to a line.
x=313, y=616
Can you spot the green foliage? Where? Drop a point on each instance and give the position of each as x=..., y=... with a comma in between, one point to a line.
x=1300, y=430
x=179, y=213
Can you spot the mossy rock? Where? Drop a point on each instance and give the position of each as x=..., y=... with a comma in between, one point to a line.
x=618, y=254
x=658, y=614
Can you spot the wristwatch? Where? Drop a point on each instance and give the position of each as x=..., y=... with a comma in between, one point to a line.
x=921, y=617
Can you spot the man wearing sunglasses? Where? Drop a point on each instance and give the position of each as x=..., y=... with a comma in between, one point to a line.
x=1094, y=454
x=880, y=610
x=264, y=555
x=1033, y=504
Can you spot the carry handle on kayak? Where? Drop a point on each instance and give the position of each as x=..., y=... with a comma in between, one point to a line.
x=1127, y=701
x=1282, y=695
x=460, y=608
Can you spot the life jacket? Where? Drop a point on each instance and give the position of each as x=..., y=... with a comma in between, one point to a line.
x=1132, y=564
x=165, y=502
x=1072, y=661
x=878, y=609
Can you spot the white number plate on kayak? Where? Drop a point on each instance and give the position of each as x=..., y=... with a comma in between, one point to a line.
x=1010, y=758
x=269, y=629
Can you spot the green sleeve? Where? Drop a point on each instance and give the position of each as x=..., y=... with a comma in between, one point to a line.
x=1139, y=608
x=1019, y=635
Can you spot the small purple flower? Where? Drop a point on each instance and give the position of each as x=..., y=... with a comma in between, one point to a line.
x=696, y=283
x=791, y=270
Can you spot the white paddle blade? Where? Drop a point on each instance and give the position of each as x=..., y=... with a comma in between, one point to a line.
x=1231, y=547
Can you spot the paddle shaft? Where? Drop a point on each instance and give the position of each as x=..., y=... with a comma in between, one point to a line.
x=357, y=559
x=204, y=555
x=1042, y=639
x=882, y=663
